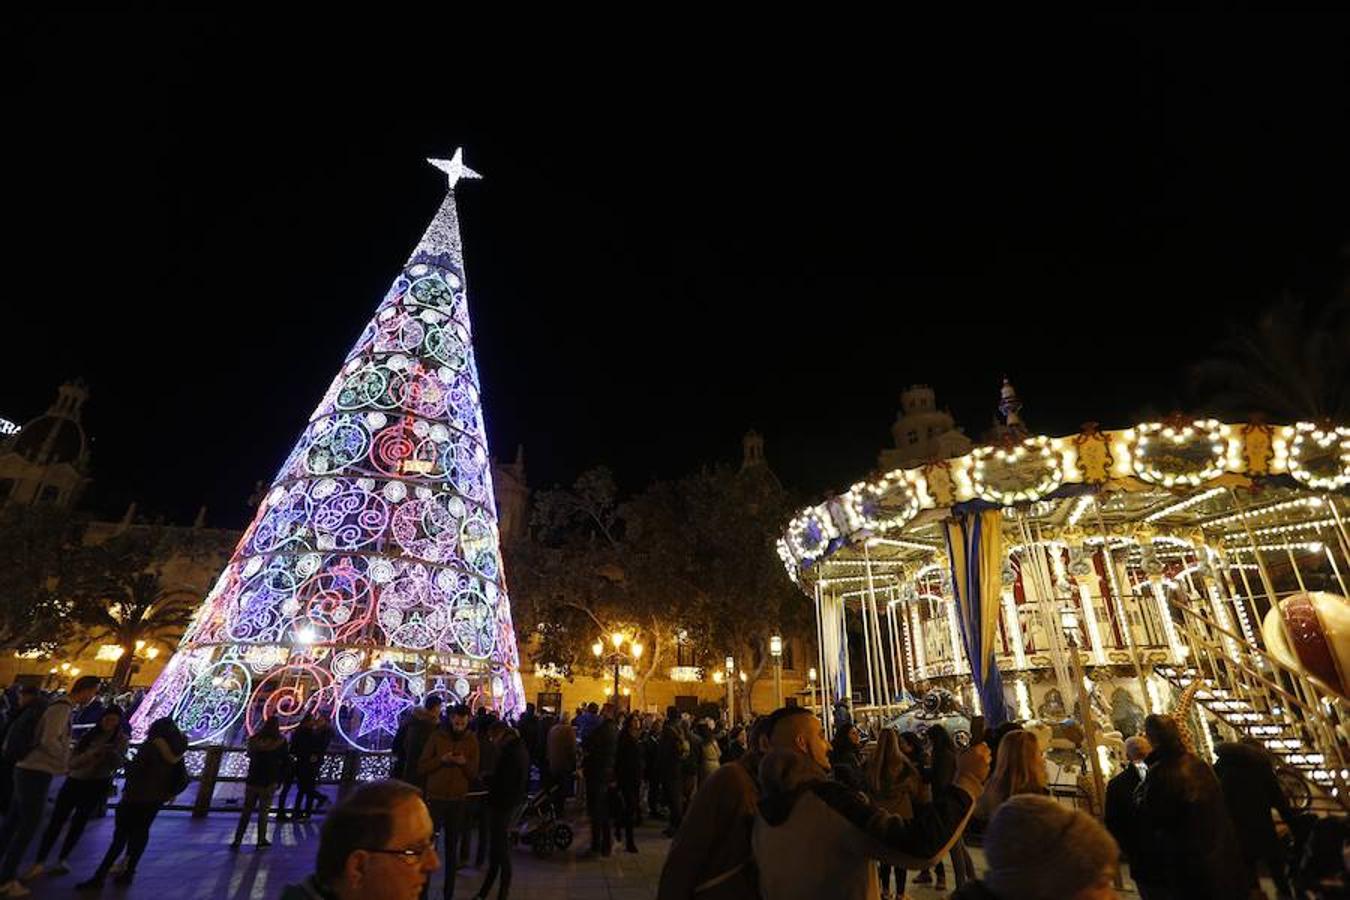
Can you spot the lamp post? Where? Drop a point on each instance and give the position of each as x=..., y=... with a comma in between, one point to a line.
x=731, y=690
x=1068, y=617
x=811, y=682
x=618, y=657
x=776, y=651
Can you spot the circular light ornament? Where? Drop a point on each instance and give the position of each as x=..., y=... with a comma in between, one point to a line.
x=1320, y=457
x=882, y=505
x=1020, y=473
x=810, y=533
x=1176, y=453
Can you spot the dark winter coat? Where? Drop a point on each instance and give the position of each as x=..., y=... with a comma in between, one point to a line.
x=416, y=731
x=847, y=769
x=1186, y=840
x=671, y=751
x=528, y=727
x=150, y=776
x=598, y=752
x=1251, y=791
x=628, y=762
x=308, y=745
x=506, y=783
x=1120, y=817
x=267, y=759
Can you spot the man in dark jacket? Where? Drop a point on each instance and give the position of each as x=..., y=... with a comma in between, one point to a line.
x=528, y=727
x=1186, y=842
x=597, y=763
x=413, y=737
x=1120, y=812
x=1251, y=791
x=506, y=787
x=669, y=758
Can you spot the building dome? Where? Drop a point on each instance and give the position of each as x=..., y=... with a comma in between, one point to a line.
x=50, y=440
x=55, y=437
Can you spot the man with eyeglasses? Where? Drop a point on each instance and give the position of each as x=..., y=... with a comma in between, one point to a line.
x=375, y=845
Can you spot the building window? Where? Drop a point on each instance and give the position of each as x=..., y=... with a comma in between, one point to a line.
x=685, y=655
x=788, y=663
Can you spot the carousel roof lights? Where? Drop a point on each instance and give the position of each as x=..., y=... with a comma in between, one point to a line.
x=1184, y=504
x=1080, y=508
x=1263, y=511
x=1304, y=546
x=1283, y=529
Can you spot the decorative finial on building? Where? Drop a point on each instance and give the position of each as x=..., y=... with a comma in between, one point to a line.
x=200, y=521
x=1010, y=406
x=752, y=450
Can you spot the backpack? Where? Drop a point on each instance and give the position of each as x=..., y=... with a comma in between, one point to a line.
x=22, y=736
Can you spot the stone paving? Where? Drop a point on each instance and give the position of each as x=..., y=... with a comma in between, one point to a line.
x=188, y=859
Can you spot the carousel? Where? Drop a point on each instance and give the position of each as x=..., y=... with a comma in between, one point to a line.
x=1079, y=583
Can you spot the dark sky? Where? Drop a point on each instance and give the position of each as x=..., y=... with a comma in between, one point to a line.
x=671, y=245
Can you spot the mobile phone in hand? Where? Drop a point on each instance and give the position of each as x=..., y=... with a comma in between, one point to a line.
x=976, y=730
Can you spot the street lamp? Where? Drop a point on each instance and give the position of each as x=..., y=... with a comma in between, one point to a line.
x=617, y=658
x=776, y=651
x=1068, y=619
x=731, y=690
x=811, y=682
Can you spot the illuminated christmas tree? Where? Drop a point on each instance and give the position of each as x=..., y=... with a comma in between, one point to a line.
x=371, y=574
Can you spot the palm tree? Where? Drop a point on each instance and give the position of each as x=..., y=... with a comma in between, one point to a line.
x=1292, y=365
x=135, y=611
x=124, y=599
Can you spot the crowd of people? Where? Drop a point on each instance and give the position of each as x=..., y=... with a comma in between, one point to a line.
x=769, y=809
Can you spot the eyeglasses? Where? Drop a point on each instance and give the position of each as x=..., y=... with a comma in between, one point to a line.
x=409, y=855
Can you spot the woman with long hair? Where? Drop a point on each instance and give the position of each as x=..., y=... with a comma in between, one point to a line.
x=893, y=783
x=154, y=778
x=1019, y=769
x=98, y=755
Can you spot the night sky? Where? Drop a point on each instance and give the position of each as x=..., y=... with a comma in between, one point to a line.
x=670, y=246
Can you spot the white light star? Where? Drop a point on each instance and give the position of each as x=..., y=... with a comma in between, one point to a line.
x=454, y=167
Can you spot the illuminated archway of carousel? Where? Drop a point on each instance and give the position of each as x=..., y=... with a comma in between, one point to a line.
x=1183, y=566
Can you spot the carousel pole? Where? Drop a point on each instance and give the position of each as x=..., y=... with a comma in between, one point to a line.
x=820, y=661
x=841, y=624
x=1121, y=612
x=1341, y=535
x=1301, y=685
x=870, y=621
x=897, y=657
x=867, y=648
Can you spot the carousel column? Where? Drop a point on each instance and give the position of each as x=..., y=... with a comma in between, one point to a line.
x=1109, y=561
x=870, y=620
x=826, y=718
x=867, y=647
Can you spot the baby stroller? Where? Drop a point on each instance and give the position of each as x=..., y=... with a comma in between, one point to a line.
x=539, y=827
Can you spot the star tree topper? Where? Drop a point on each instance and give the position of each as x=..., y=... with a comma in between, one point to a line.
x=454, y=168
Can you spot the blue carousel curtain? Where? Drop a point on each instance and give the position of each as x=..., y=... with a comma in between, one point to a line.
x=975, y=549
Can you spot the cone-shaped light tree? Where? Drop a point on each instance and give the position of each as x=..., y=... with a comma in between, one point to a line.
x=371, y=574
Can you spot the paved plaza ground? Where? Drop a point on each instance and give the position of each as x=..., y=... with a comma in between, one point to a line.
x=188, y=859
